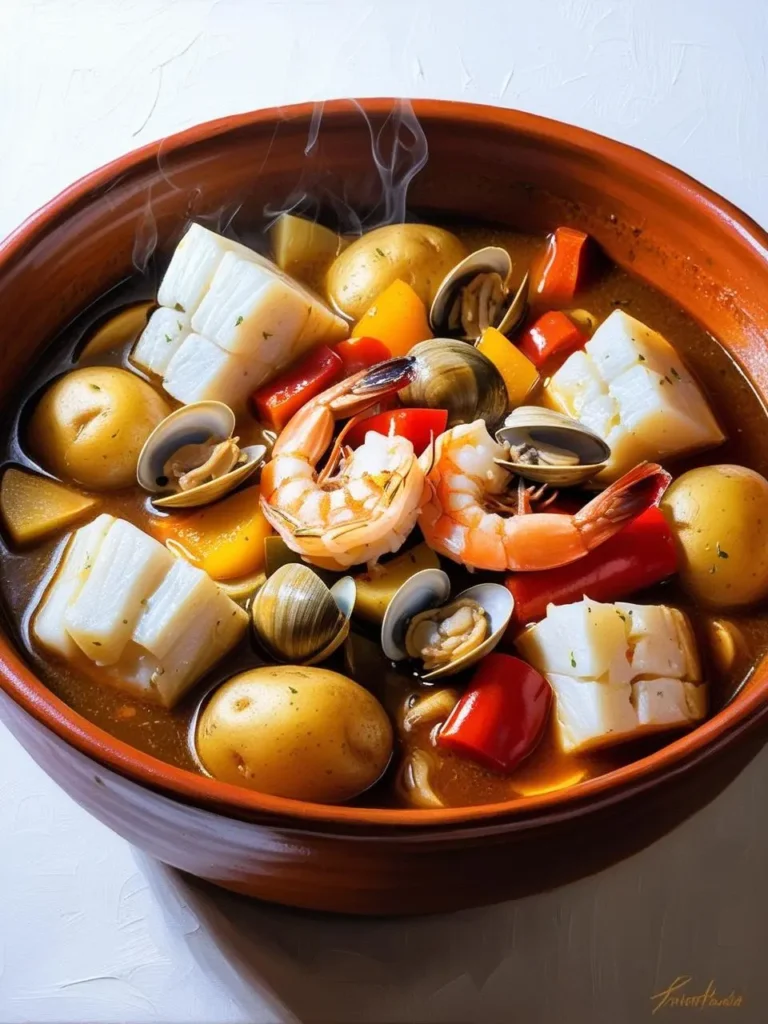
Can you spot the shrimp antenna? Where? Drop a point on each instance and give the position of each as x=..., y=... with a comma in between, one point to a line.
x=387, y=376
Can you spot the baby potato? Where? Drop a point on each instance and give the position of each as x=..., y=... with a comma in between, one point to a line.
x=91, y=424
x=419, y=254
x=304, y=733
x=719, y=515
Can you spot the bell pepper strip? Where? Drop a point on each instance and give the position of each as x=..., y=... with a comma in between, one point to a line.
x=552, y=334
x=397, y=317
x=359, y=353
x=642, y=554
x=275, y=403
x=502, y=715
x=561, y=268
x=517, y=370
x=418, y=425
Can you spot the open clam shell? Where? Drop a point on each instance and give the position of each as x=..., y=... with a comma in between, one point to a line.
x=475, y=295
x=298, y=619
x=193, y=424
x=429, y=590
x=548, y=447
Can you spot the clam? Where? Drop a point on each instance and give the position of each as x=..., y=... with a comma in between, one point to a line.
x=298, y=618
x=547, y=447
x=452, y=375
x=191, y=457
x=446, y=635
x=475, y=295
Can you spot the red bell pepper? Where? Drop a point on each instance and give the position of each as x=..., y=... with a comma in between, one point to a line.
x=276, y=402
x=552, y=334
x=641, y=554
x=560, y=271
x=360, y=353
x=501, y=717
x=418, y=425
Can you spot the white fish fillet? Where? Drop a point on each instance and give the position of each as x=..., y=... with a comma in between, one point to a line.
x=129, y=568
x=631, y=387
x=160, y=340
x=243, y=321
x=193, y=264
x=617, y=670
x=148, y=624
x=48, y=625
x=201, y=371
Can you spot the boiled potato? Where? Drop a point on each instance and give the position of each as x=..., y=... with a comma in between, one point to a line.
x=304, y=733
x=33, y=507
x=304, y=249
x=719, y=515
x=376, y=589
x=91, y=424
x=418, y=254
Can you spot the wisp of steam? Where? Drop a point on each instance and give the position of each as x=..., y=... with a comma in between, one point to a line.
x=398, y=152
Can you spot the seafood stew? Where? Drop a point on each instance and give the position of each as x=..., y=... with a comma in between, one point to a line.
x=429, y=518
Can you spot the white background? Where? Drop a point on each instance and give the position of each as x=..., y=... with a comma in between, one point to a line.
x=91, y=930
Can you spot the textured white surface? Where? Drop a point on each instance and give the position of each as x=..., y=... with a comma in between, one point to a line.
x=90, y=930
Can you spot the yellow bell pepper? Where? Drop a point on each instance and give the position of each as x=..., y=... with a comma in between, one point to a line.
x=519, y=373
x=398, y=319
x=225, y=539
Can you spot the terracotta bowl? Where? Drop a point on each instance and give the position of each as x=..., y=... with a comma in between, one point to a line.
x=487, y=164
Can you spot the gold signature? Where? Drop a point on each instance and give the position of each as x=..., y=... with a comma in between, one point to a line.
x=678, y=996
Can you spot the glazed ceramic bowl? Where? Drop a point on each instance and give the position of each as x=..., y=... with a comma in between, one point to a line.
x=484, y=164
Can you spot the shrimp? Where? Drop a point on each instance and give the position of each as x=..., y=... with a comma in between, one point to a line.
x=372, y=503
x=464, y=476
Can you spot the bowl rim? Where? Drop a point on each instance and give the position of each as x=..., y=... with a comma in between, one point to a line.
x=22, y=686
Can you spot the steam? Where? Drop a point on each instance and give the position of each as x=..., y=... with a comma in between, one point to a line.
x=399, y=151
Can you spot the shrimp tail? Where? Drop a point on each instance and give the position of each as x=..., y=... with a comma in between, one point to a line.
x=623, y=501
x=360, y=392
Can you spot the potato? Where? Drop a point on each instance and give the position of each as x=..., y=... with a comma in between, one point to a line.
x=304, y=249
x=91, y=424
x=33, y=507
x=418, y=254
x=375, y=590
x=304, y=733
x=719, y=515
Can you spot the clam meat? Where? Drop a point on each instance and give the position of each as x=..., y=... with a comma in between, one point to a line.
x=475, y=295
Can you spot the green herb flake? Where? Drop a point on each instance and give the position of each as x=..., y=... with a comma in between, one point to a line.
x=668, y=380
x=293, y=689
x=621, y=615
x=573, y=660
x=179, y=308
x=125, y=622
x=180, y=325
x=675, y=374
x=720, y=552
x=94, y=387
x=96, y=643
x=640, y=357
x=380, y=252
x=238, y=321
x=266, y=335
x=168, y=338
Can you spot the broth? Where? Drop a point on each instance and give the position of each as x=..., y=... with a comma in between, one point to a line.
x=167, y=734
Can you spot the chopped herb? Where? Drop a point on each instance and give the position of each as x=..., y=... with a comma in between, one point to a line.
x=125, y=622
x=675, y=374
x=95, y=387
x=668, y=380
x=247, y=538
x=238, y=321
x=180, y=325
x=113, y=436
x=293, y=689
x=720, y=552
x=380, y=252
x=179, y=308
x=168, y=338
x=573, y=660
x=589, y=611
x=266, y=334
x=661, y=383
x=640, y=357
x=143, y=600
x=621, y=615
x=96, y=643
